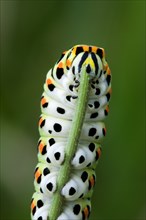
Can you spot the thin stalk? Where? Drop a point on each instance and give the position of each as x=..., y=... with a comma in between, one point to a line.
x=71, y=147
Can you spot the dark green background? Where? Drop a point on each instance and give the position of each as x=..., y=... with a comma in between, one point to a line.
x=34, y=33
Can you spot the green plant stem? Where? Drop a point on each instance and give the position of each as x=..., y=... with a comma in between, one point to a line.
x=72, y=143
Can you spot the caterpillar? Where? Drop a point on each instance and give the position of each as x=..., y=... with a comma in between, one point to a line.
x=58, y=105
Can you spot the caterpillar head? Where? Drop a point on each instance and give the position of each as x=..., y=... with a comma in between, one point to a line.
x=88, y=61
x=89, y=57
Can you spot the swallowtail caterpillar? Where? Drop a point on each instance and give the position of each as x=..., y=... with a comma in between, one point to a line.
x=74, y=104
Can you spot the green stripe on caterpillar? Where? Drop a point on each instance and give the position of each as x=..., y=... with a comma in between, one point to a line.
x=58, y=105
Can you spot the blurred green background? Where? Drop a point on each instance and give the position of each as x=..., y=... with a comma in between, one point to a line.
x=33, y=35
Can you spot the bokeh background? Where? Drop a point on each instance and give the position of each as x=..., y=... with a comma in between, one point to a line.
x=33, y=35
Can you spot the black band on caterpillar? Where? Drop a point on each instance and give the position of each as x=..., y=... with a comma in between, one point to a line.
x=58, y=104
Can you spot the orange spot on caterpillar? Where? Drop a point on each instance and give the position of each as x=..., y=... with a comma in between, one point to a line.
x=86, y=48
x=60, y=65
x=41, y=146
x=32, y=205
x=99, y=152
x=43, y=101
x=92, y=181
x=40, y=121
x=108, y=70
x=68, y=62
x=37, y=174
x=107, y=108
x=49, y=81
x=86, y=212
x=94, y=49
